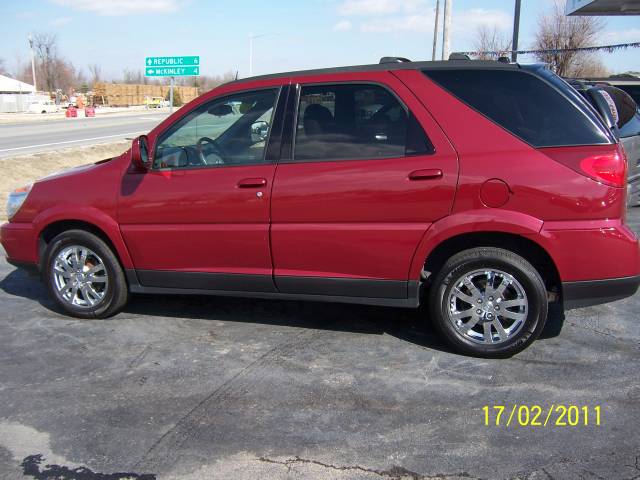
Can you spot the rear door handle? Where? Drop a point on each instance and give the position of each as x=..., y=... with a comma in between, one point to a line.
x=252, y=182
x=427, y=174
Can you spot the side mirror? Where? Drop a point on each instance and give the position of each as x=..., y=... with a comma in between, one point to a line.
x=140, y=153
x=259, y=131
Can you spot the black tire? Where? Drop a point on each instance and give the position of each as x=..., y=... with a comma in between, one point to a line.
x=116, y=292
x=474, y=259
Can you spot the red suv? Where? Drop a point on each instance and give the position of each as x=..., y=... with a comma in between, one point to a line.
x=484, y=189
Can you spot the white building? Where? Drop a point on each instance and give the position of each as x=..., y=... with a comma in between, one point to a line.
x=15, y=96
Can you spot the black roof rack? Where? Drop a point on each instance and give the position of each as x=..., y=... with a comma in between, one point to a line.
x=393, y=60
x=459, y=56
x=396, y=65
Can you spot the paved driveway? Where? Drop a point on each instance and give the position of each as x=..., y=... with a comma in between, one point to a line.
x=195, y=387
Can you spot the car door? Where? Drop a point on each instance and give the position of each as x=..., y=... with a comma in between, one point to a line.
x=199, y=218
x=366, y=173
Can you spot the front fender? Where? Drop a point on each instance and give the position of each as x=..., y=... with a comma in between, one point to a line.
x=472, y=221
x=90, y=215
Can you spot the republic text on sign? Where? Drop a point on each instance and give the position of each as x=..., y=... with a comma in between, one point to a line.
x=183, y=61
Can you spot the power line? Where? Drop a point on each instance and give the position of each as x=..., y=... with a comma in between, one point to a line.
x=608, y=48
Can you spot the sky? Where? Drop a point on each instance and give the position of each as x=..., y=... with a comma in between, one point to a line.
x=118, y=34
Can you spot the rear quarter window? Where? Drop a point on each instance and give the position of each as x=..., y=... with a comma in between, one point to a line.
x=524, y=104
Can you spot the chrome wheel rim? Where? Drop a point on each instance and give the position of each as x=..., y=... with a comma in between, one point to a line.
x=79, y=277
x=487, y=306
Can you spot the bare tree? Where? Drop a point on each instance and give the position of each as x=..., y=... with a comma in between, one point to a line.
x=3, y=68
x=19, y=63
x=490, y=40
x=588, y=66
x=46, y=46
x=558, y=31
x=61, y=73
x=207, y=82
x=132, y=76
x=95, y=71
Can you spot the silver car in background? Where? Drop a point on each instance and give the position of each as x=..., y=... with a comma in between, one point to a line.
x=620, y=111
x=630, y=140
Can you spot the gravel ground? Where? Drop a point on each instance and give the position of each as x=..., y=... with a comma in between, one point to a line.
x=205, y=387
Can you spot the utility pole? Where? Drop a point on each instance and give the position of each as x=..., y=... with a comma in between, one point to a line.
x=33, y=64
x=250, y=54
x=445, y=29
x=435, y=31
x=516, y=31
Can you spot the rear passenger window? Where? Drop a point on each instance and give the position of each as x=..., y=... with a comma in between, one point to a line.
x=523, y=104
x=342, y=122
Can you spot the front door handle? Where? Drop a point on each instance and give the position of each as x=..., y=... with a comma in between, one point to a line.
x=427, y=174
x=252, y=182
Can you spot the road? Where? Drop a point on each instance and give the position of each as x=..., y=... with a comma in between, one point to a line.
x=53, y=134
x=202, y=387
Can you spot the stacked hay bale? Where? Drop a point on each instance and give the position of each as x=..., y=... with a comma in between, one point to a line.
x=124, y=95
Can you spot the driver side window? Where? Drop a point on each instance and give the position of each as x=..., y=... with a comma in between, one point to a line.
x=227, y=131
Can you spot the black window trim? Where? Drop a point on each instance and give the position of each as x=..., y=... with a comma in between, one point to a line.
x=539, y=77
x=291, y=111
x=273, y=145
x=202, y=106
x=572, y=95
x=293, y=126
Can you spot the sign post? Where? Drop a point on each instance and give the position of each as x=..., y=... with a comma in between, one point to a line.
x=186, y=66
x=173, y=81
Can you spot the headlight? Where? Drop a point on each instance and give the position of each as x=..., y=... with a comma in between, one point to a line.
x=16, y=199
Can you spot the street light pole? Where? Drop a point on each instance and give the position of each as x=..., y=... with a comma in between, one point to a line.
x=516, y=31
x=33, y=64
x=251, y=38
x=250, y=54
x=445, y=29
x=435, y=31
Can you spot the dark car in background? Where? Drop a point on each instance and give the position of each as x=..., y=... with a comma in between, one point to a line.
x=628, y=83
x=617, y=106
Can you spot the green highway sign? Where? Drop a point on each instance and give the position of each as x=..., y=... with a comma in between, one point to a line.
x=187, y=66
x=190, y=71
x=172, y=61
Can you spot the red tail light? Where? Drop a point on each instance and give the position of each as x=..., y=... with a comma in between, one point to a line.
x=609, y=169
x=605, y=164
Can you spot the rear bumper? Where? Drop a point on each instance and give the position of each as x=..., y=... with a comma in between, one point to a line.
x=594, y=292
x=591, y=250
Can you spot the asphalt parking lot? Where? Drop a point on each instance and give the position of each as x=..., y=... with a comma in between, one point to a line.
x=195, y=387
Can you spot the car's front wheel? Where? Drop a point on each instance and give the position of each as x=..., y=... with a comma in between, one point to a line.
x=488, y=302
x=84, y=276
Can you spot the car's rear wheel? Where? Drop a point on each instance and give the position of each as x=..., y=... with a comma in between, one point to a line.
x=488, y=302
x=84, y=276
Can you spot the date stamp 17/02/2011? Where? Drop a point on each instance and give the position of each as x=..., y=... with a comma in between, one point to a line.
x=554, y=415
